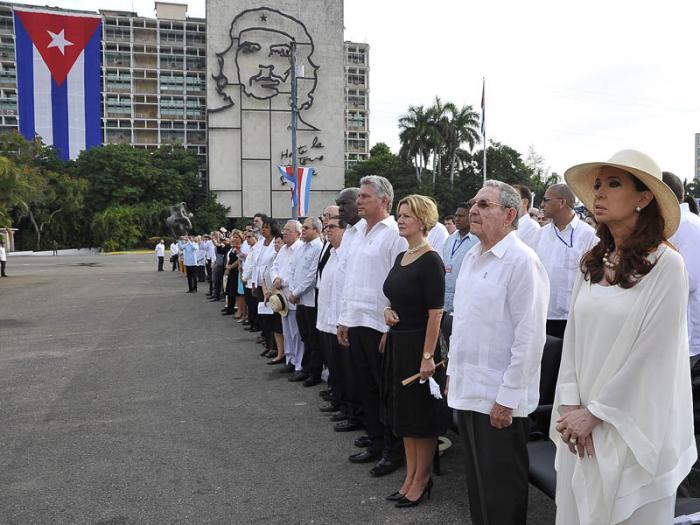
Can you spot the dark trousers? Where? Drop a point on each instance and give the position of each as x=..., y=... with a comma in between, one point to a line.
x=331, y=350
x=367, y=364
x=207, y=268
x=2, y=269
x=173, y=260
x=496, y=465
x=252, y=307
x=217, y=279
x=312, y=362
x=200, y=273
x=161, y=259
x=556, y=327
x=191, y=278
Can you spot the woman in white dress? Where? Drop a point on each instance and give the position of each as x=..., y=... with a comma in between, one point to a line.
x=623, y=420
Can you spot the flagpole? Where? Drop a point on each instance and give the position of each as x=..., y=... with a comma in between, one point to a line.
x=295, y=160
x=483, y=123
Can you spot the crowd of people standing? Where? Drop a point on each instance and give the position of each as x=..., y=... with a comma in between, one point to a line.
x=415, y=321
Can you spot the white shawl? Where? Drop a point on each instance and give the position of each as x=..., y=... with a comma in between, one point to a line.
x=645, y=445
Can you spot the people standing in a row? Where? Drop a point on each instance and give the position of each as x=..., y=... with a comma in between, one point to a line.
x=498, y=334
x=302, y=293
x=281, y=273
x=415, y=288
x=560, y=246
x=687, y=240
x=361, y=324
x=456, y=246
x=160, y=254
x=173, y=254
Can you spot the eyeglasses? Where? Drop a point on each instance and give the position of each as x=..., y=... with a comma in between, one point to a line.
x=484, y=204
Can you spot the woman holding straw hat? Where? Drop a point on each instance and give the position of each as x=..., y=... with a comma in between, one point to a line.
x=415, y=288
x=623, y=420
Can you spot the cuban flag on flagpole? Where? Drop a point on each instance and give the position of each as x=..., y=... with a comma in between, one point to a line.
x=300, y=187
x=58, y=79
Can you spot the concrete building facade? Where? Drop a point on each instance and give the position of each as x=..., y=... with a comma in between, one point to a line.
x=155, y=82
x=249, y=50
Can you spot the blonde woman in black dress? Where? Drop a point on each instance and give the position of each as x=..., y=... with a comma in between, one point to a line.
x=415, y=288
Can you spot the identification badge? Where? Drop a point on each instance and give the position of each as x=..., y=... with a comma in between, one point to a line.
x=448, y=268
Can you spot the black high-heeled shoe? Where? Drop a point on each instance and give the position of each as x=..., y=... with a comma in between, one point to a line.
x=396, y=496
x=405, y=502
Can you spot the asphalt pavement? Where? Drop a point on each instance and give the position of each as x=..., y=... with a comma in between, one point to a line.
x=124, y=400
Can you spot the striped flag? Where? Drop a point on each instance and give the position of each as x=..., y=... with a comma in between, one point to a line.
x=300, y=187
x=483, y=109
x=58, y=79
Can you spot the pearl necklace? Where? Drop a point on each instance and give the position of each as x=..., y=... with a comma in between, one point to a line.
x=411, y=251
x=608, y=263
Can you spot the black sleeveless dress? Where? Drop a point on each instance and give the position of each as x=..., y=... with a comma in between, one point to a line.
x=412, y=290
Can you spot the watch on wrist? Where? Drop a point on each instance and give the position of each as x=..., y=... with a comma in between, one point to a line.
x=427, y=355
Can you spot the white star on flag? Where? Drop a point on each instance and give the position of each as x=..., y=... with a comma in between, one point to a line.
x=59, y=41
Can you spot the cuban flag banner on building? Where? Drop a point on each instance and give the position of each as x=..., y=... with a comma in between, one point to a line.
x=300, y=187
x=58, y=79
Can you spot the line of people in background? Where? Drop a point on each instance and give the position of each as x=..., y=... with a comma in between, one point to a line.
x=379, y=302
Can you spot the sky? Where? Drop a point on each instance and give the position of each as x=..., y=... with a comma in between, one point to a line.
x=576, y=81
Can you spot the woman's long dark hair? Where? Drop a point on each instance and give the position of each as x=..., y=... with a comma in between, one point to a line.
x=632, y=255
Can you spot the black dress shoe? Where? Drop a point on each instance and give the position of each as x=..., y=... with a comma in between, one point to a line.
x=365, y=457
x=277, y=362
x=338, y=417
x=330, y=407
x=226, y=313
x=327, y=398
x=271, y=354
x=348, y=426
x=405, y=502
x=384, y=467
x=297, y=377
x=312, y=381
x=363, y=442
x=396, y=496
x=264, y=353
x=326, y=392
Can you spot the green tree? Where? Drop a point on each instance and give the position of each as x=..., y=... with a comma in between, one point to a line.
x=116, y=228
x=415, y=136
x=209, y=215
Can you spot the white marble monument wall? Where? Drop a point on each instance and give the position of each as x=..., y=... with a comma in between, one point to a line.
x=248, y=97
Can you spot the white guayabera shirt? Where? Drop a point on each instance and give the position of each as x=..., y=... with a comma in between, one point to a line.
x=498, y=330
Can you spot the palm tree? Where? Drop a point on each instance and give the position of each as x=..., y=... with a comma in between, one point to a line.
x=438, y=115
x=463, y=128
x=415, y=146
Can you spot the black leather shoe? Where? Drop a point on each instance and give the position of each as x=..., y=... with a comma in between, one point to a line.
x=327, y=398
x=297, y=377
x=225, y=312
x=363, y=442
x=277, y=362
x=338, y=417
x=348, y=426
x=312, y=381
x=405, y=502
x=324, y=392
x=330, y=407
x=365, y=457
x=384, y=467
x=396, y=496
x=271, y=354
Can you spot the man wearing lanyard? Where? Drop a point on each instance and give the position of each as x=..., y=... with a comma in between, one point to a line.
x=453, y=252
x=560, y=246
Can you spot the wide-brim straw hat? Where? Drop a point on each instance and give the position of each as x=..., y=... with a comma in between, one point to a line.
x=278, y=304
x=581, y=178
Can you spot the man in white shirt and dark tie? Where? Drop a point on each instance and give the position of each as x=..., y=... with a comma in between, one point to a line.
x=361, y=322
x=687, y=240
x=498, y=335
x=560, y=246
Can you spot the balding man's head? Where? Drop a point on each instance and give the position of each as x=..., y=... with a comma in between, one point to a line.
x=562, y=191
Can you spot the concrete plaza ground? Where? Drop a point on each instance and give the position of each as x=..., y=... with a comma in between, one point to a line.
x=124, y=400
